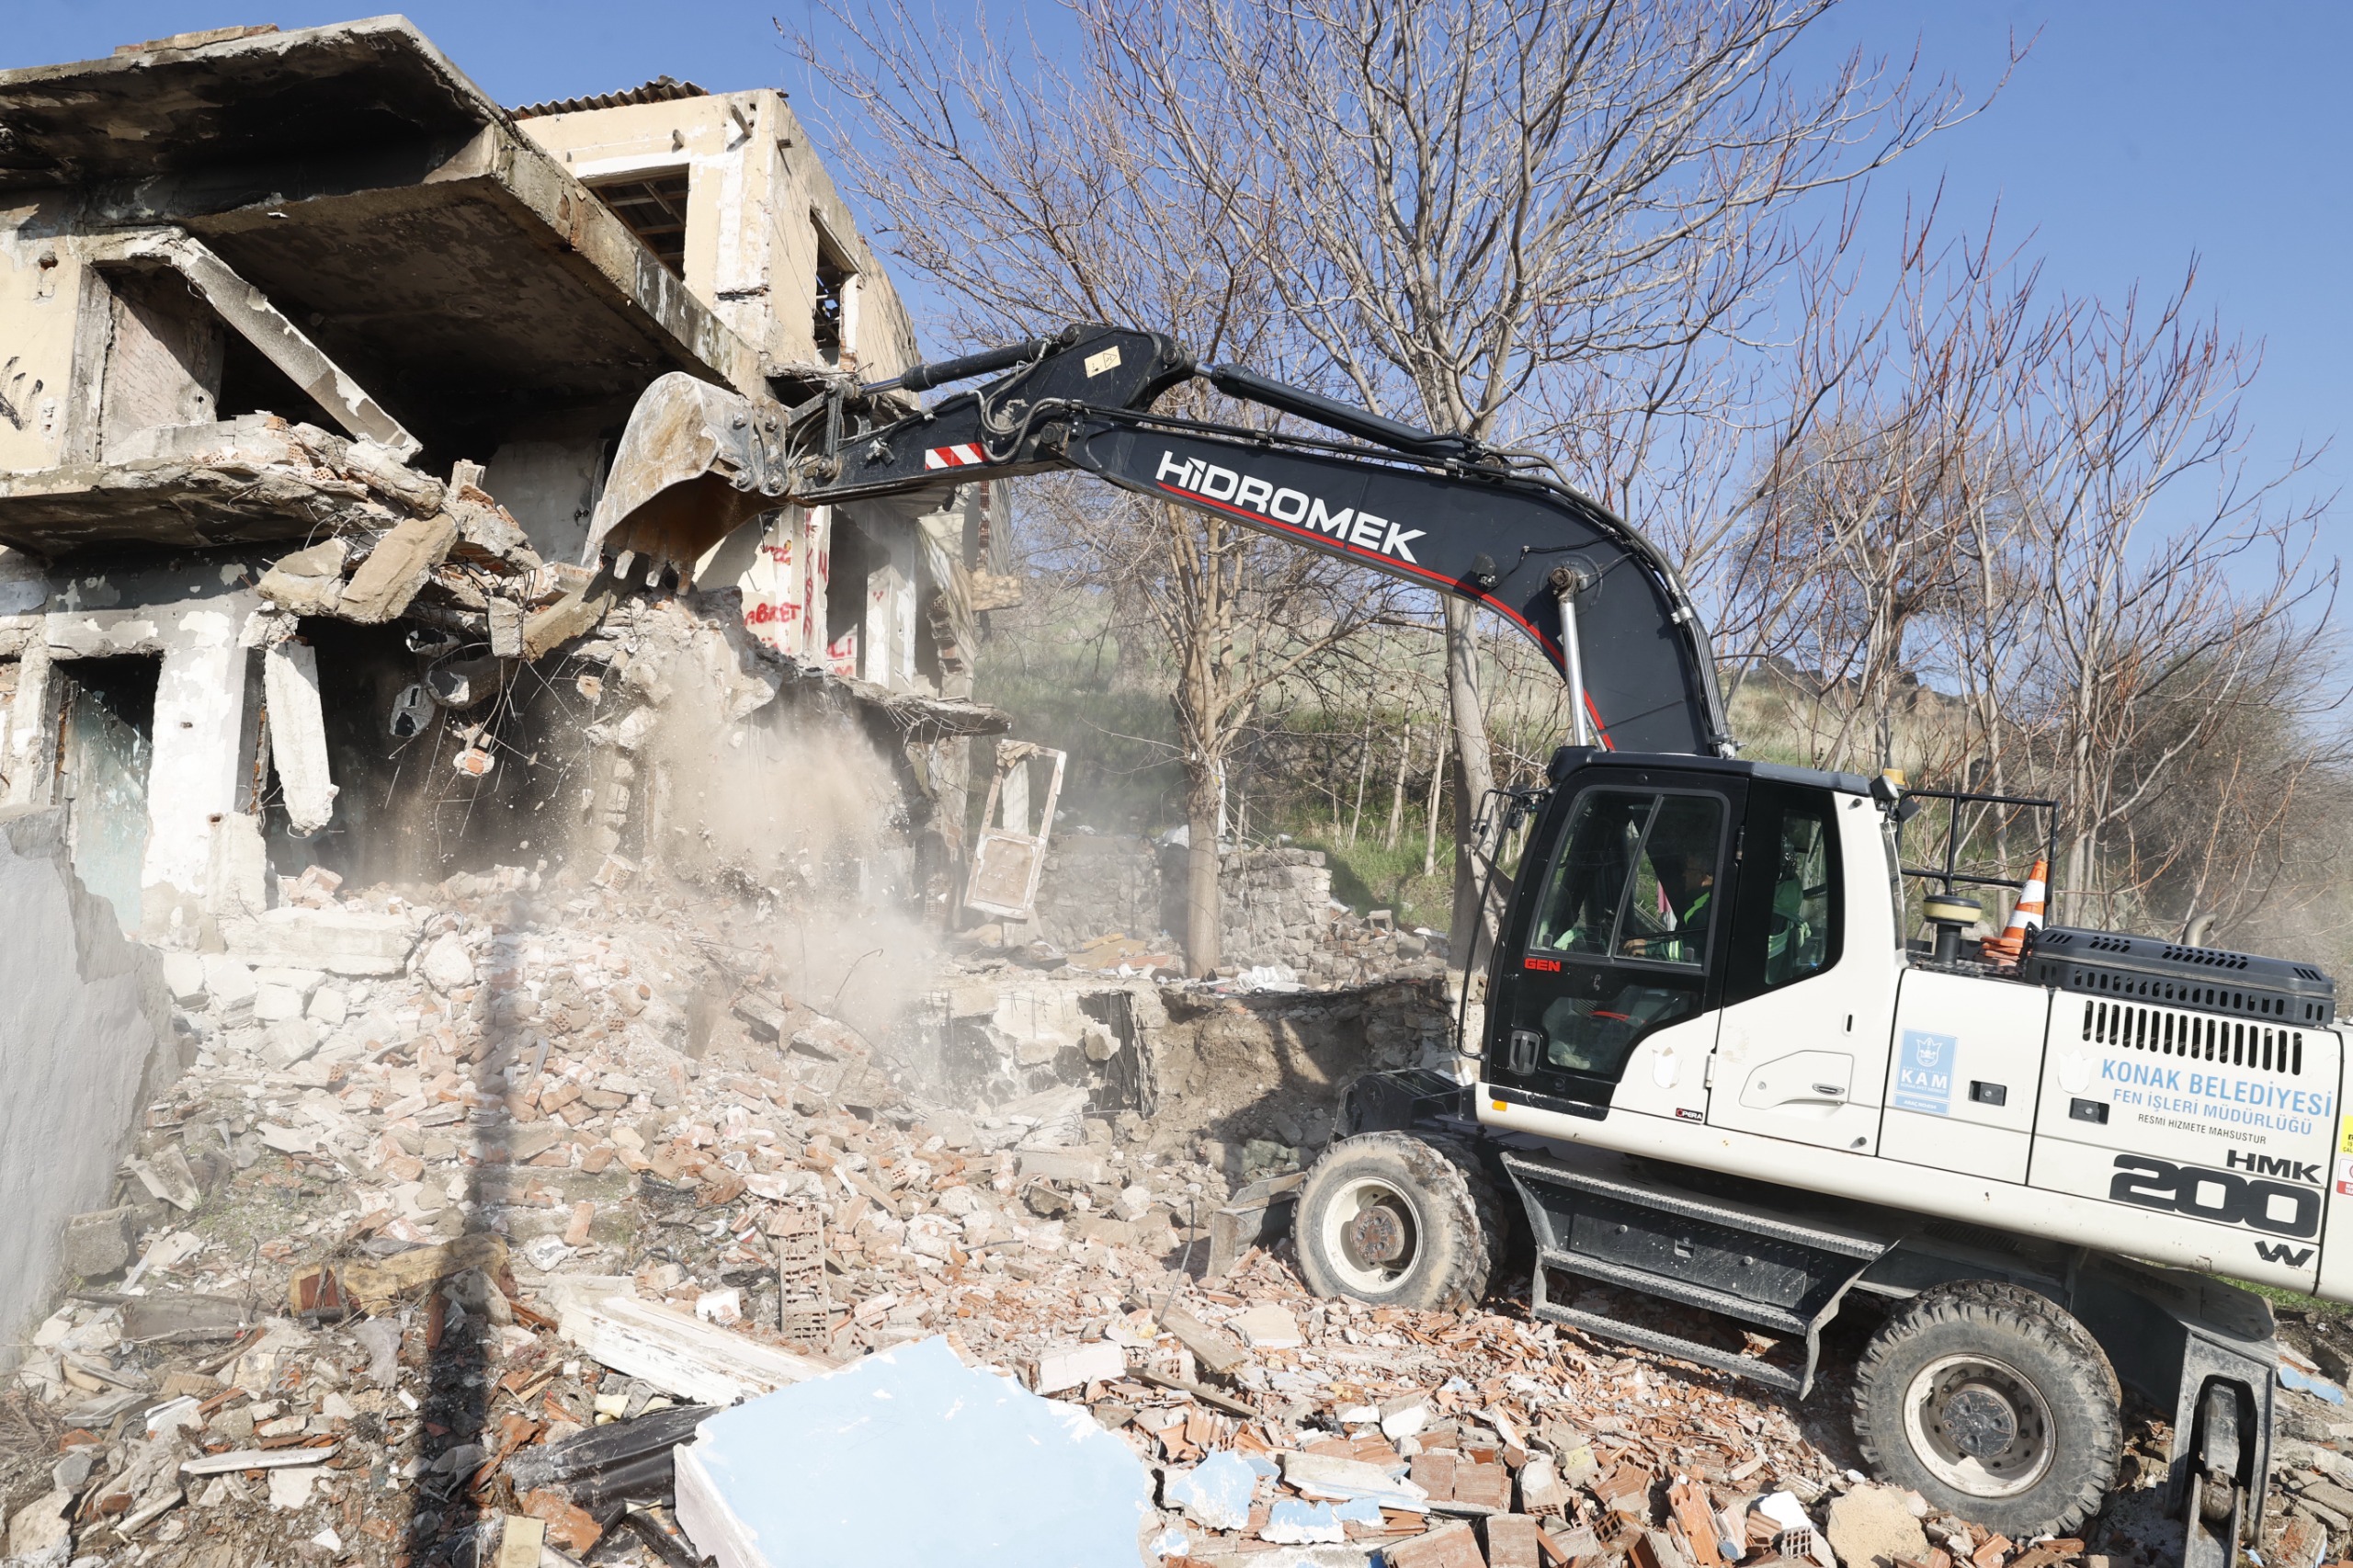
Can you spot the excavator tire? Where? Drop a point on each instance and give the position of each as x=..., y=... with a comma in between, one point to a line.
x=1398, y=1219
x=1994, y=1405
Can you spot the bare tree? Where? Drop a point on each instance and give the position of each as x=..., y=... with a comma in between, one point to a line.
x=2034, y=558
x=1475, y=196
x=2154, y=641
x=1037, y=198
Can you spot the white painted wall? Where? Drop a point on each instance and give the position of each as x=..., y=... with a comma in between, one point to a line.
x=84, y=1039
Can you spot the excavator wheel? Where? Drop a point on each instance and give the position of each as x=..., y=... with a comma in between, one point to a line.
x=1994, y=1405
x=1397, y=1220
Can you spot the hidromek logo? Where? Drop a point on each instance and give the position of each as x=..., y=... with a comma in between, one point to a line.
x=1359, y=529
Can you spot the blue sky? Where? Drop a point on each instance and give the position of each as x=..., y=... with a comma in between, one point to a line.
x=2134, y=135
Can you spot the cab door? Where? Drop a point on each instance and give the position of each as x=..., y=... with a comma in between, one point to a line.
x=1603, y=993
x=1802, y=1045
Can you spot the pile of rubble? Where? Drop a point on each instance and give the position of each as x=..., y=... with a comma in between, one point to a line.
x=1108, y=900
x=439, y=1265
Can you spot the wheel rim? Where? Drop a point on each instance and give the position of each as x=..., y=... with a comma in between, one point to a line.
x=1979, y=1424
x=1372, y=1234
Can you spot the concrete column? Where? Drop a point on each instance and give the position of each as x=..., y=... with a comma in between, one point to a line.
x=889, y=632
x=30, y=763
x=297, y=736
x=192, y=778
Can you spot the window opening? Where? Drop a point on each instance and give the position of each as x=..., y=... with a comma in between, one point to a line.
x=835, y=274
x=107, y=739
x=251, y=384
x=654, y=206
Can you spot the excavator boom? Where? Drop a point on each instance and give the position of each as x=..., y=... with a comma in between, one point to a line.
x=1439, y=511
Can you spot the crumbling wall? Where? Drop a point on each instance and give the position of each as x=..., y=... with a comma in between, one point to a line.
x=1275, y=904
x=1250, y=1083
x=1098, y=884
x=1276, y=907
x=85, y=1039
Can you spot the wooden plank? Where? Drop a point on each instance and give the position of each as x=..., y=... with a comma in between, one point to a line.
x=678, y=1352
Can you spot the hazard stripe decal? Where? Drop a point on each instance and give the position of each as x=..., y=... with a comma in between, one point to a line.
x=964, y=455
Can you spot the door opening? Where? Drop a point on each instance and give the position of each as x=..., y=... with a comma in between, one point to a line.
x=105, y=741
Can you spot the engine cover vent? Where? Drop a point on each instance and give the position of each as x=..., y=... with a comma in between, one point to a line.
x=2206, y=979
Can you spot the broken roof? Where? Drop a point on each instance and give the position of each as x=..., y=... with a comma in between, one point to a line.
x=315, y=93
x=358, y=179
x=661, y=90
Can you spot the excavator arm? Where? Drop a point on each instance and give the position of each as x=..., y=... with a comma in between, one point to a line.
x=1439, y=511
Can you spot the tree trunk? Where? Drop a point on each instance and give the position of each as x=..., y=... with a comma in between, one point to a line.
x=1397, y=790
x=1429, y=812
x=1364, y=766
x=2078, y=896
x=1201, y=925
x=1472, y=929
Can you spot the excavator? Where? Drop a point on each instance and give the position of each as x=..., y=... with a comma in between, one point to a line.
x=1730, y=1088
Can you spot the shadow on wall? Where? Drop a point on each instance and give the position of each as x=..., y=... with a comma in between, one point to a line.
x=86, y=1041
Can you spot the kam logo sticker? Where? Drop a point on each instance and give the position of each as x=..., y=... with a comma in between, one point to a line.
x=2345, y=1156
x=1924, y=1072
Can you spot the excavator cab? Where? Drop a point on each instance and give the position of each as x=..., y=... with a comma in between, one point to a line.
x=1615, y=930
x=1655, y=893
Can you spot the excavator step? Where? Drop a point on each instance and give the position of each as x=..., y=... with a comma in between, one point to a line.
x=1599, y=1220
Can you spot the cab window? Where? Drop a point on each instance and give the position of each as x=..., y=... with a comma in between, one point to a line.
x=1636, y=878
x=1630, y=910
x=1790, y=917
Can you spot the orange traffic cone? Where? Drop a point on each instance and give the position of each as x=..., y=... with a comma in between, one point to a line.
x=2025, y=918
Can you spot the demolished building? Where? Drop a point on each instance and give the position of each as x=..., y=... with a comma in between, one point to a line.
x=312, y=359
x=314, y=362
x=475, y=1168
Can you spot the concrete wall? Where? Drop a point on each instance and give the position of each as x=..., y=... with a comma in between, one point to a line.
x=46, y=297
x=757, y=193
x=85, y=1039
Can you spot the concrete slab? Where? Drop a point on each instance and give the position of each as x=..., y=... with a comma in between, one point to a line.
x=340, y=941
x=820, y=1474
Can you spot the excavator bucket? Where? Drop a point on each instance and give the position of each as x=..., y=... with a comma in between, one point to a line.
x=696, y=461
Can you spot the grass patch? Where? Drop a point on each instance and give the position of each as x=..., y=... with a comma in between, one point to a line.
x=1367, y=877
x=2312, y=1306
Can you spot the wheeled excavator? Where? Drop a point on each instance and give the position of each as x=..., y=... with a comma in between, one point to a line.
x=1730, y=1090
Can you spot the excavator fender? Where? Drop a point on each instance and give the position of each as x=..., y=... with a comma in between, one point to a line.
x=693, y=463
